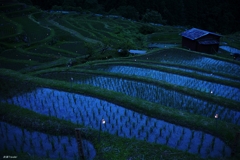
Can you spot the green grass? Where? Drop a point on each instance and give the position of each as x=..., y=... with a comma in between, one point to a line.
x=16, y=64
x=166, y=34
x=33, y=31
x=84, y=33
x=165, y=38
x=22, y=55
x=54, y=51
x=12, y=64
x=89, y=25
x=7, y=27
x=74, y=47
x=232, y=40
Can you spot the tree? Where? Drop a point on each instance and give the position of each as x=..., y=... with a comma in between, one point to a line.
x=57, y=8
x=79, y=3
x=28, y=2
x=227, y=22
x=147, y=29
x=182, y=13
x=89, y=4
x=69, y=3
x=123, y=47
x=47, y=4
x=128, y=12
x=93, y=6
x=113, y=12
x=152, y=16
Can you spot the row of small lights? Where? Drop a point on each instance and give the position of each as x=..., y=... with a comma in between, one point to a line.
x=103, y=120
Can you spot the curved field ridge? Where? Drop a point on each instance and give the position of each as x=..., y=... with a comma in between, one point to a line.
x=187, y=58
x=153, y=93
x=209, y=87
x=164, y=97
x=202, y=73
x=212, y=64
x=73, y=32
x=89, y=111
x=40, y=144
x=178, y=67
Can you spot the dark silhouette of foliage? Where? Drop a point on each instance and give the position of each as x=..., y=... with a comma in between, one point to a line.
x=28, y=2
x=124, y=53
x=57, y=8
x=153, y=17
x=214, y=15
x=129, y=12
x=69, y=3
x=147, y=29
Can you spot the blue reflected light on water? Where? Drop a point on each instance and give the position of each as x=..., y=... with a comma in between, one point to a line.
x=126, y=123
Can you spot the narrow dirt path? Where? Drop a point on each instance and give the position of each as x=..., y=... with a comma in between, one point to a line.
x=73, y=32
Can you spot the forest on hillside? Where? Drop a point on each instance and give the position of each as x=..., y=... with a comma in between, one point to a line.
x=213, y=15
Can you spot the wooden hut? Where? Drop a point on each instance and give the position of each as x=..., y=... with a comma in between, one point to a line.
x=200, y=40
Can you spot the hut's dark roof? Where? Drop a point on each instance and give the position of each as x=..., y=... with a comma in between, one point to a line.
x=195, y=33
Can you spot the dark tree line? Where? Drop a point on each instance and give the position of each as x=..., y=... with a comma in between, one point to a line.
x=214, y=15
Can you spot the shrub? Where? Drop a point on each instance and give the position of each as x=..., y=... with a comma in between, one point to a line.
x=124, y=53
x=152, y=16
x=146, y=29
x=57, y=8
x=128, y=12
x=113, y=12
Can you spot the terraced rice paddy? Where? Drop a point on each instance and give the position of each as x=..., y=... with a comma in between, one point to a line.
x=154, y=93
x=168, y=103
x=216, y=89
x=42, y=145
x=119, y=121
x=197, y=60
